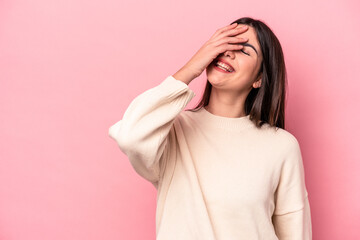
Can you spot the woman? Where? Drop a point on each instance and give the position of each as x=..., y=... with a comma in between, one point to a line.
x=227, y=169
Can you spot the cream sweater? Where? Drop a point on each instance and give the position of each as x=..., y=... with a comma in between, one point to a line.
x=216, y=177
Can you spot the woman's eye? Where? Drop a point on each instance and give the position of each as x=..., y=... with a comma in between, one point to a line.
x=244, y=52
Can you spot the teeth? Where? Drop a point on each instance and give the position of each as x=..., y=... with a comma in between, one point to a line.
x=225, y=66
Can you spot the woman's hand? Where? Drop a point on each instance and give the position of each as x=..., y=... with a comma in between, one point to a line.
x=217, y=44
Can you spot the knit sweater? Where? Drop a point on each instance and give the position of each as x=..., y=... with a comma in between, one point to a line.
x=217, y=178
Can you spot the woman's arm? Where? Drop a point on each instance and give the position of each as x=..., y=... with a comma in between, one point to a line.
x=143, y=132
x=292, y=217
x=294, y=225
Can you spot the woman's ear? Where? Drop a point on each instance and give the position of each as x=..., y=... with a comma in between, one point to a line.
x=257, y=84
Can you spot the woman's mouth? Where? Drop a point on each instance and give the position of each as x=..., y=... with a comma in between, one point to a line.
x=223, y=67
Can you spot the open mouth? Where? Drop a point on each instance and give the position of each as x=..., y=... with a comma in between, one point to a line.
x=224, y=66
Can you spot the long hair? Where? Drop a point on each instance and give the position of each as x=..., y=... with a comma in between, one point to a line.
x=265, y=104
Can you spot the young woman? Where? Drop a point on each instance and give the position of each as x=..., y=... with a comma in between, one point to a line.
x=226, y=169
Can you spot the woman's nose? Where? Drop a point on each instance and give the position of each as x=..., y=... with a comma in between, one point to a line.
x=229, y=53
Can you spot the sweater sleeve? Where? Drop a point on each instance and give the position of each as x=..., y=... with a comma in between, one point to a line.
x=143, y=132
x=292, y=217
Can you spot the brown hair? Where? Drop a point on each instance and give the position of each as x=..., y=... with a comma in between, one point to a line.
x=264, y=104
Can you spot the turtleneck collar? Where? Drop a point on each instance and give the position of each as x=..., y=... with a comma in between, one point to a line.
x=228, y=123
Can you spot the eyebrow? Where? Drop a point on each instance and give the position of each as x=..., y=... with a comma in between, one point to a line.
x=249, y=45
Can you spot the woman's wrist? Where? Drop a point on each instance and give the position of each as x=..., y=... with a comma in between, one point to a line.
x=184, y=75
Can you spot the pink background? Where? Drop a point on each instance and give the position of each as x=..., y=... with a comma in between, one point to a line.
x=69, y=69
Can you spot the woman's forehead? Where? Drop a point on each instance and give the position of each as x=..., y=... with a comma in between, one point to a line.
x=249, y=32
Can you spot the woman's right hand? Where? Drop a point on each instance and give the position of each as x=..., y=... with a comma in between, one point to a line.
x=217, y=44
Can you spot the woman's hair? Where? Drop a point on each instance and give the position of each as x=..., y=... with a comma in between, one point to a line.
x=264, y=104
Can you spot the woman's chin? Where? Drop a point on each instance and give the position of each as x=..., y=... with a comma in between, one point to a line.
x=216, y=80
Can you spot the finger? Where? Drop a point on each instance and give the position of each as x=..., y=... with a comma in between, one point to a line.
x=231, y=47
x=235, y=31
x=227, y=27
x=231, y=32
x=237, y=39
x=230, y=40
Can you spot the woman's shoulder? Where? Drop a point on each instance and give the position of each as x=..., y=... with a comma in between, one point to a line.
x=280, y=132
x=276, y=135
x=186, y=117
x=283, y=137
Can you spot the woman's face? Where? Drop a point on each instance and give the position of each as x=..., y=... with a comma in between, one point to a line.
x=245, y=62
